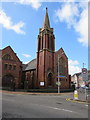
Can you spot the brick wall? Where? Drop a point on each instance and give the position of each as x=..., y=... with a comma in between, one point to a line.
x=13, y=66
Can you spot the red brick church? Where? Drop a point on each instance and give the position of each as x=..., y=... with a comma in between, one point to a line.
x=41, y=72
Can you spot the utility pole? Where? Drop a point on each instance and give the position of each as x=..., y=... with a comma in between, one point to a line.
x=84, y=74
x=59, y=56
x=83, y=65
x=58, y=74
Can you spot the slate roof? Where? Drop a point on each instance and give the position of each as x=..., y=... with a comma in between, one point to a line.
x=30, y=66
x=24, y=66
x=77, y=74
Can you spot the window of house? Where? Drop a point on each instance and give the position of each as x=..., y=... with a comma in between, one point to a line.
x=10, y=67
x=5, y=66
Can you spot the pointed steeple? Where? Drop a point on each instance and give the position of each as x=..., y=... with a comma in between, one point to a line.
x=46, y=20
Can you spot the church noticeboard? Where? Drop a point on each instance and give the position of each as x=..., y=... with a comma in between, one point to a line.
x=41, y=83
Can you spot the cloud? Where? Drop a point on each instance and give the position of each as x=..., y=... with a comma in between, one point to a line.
x=68, y=16
x=7, y=23
x=26, y=55
x=73, y=67
x=34, y=3
x=75, y=62
x=75, y=15
x=26, y=62
x=82, y=28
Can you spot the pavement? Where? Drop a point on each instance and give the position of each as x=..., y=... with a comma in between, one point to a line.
x=33, y=93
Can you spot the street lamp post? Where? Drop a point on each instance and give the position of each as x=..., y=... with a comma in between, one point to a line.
x=84, y=77
x=58, y=75
x=59, y=56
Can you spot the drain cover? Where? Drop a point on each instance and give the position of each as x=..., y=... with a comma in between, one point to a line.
x=58, y=103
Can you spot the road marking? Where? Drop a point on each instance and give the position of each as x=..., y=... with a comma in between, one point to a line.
x=63, y=109
x=68, y=99
x=66, y=110
x=58, y=109
x=86, y=105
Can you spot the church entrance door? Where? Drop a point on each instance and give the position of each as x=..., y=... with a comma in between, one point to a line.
x=7, y=81
x=49, y=79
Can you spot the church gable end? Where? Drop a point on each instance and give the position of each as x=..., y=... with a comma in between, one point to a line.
x=11, y=68
x=9, y=51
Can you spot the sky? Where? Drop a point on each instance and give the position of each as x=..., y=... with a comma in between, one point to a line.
x=20, y=21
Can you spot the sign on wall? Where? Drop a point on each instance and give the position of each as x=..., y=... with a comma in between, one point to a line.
x=41, y=83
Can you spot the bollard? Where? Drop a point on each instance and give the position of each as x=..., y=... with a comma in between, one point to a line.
x=75, y=95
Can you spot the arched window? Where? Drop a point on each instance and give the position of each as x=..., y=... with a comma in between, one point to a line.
x=7, y=57
x=62, y=64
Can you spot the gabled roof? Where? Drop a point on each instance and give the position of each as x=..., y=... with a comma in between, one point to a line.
x=9, y=47
x=62, y=51
x=30, y=66
x=77, y=74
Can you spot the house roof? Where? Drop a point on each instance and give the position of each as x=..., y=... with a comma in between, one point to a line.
x=77, y=74
x=30, y=66
x=24, y=66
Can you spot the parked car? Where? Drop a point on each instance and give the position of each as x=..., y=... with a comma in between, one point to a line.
x=85, y=87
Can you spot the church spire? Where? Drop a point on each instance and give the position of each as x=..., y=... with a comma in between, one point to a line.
x=46, y=20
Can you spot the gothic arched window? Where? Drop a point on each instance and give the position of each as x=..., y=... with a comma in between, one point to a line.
x=62, y=64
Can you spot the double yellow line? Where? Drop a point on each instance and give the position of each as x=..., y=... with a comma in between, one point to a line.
x=68, y=99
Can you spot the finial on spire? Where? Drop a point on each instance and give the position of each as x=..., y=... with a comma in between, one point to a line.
x=46, y=9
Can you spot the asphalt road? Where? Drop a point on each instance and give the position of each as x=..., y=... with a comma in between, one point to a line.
x=36, y=106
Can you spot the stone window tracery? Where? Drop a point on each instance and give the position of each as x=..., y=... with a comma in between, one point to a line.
x=7, y=57
x=62, y=66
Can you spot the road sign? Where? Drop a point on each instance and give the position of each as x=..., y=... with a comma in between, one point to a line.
x=84, y=70
x=58, y=83
x=61, y=76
